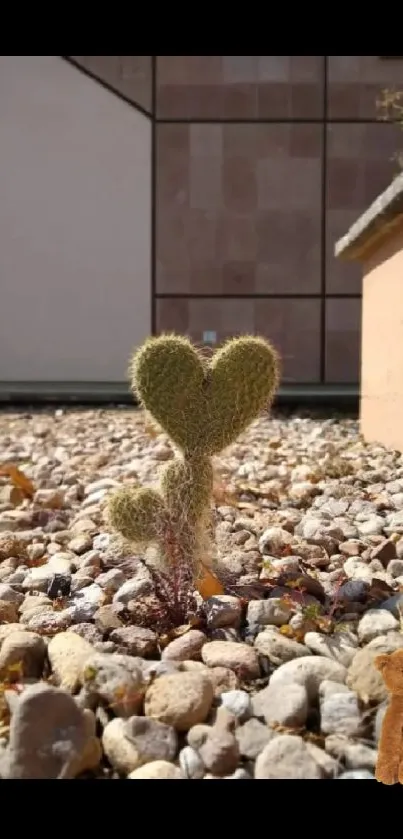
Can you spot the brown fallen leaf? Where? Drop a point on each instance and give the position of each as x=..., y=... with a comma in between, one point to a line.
x=18, y=479
x=207, y=583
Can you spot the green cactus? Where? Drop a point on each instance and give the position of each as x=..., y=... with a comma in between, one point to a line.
x=203, y=406
x=138, y=514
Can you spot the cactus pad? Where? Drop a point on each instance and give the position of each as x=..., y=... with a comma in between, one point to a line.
x=203, y=406
x=138, y=514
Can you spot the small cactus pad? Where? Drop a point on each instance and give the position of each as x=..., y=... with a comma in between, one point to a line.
x=138, y=514
x=203, y=406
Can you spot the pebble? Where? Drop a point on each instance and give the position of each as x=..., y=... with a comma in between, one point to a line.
x=181, y=700
x=68, y=653
x=186, y=647
x=240, y=657
x=264, y=612
x=286, y=758
x=341, y=648
x=252, y=737
x=355, y=755
x=135, y=640
x=47, y=733
x=278, y=648
x=237, y=702
x=216, y=744
x=278, y=706
x=156, y=770
x=315, y=503
x=223, y=610
x=375, y=622
x=340, y=714
x=24, y=651
x=131, y=743
x=362, y=675
x=191, y=764
x=115, y=680
x=309, y=671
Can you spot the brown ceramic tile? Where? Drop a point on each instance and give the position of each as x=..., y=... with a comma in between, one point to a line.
x=172, y=315
x=240, y=101
x=189, y=69
x=240, y=69
x=240, y=187
x=355, y=83
x=239, y=87
x=226, y=317
x=205, y=184
x=205, y=140
x=359, y=166
x=294, y=327
x=238, y=199
x=290, y=101
x=239, y=277
x=293, y=183
x=238, y=237
x=289, y=167
x=343, y=326
x=130, y=75
x=289, y=252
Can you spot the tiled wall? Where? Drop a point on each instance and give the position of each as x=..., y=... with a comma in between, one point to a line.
x=261, y=164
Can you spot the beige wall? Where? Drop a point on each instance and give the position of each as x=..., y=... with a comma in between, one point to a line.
x=382, y=344
x=75, y=211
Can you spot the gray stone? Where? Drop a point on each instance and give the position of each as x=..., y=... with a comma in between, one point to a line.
x=282, y=707
x=191, y=763
x=278, y=648
x=309, y=672
x=223, y=610
x=131, y=743
x=252, y=737
x=362, y=675
x=340, y=647
x=237, y=702
x=48, y=733
x=340, y=714
x=375, y=622
x=264, y=612
x=286, y=757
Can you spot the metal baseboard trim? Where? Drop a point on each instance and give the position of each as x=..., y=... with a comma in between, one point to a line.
x=100, y=393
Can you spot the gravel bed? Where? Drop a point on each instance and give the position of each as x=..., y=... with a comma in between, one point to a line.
x=278, y=680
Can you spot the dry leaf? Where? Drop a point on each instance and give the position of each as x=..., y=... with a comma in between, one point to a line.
x=207, y=584
x=295, y=634
x=18, y=479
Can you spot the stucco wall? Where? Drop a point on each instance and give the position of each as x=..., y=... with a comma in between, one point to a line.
x=75, y=187
x=382, y=343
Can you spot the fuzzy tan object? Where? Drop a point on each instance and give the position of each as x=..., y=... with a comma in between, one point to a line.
x=389, y=767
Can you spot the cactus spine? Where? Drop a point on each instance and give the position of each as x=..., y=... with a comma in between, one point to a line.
x=203, y=406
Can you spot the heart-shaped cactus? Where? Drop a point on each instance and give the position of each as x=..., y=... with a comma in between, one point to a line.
x=203, y=406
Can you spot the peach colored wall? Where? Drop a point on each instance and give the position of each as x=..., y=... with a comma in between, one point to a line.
x=382, y=343
x=75, y=219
